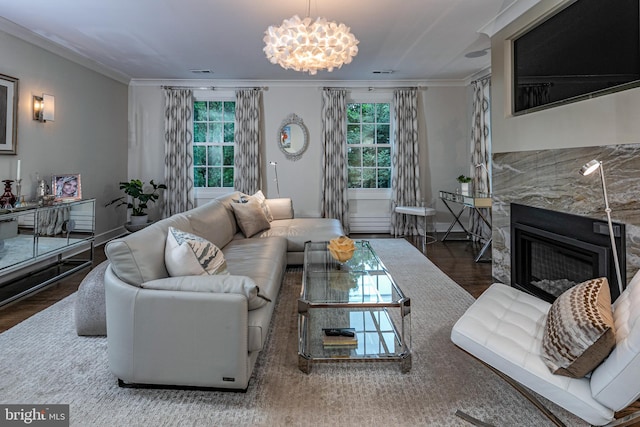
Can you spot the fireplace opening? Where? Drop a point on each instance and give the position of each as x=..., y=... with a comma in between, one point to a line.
x=553, y=251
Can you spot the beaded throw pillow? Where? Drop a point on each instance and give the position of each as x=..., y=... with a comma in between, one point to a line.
x=579, y=332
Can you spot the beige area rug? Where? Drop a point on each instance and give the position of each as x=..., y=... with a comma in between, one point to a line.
x=44, y=362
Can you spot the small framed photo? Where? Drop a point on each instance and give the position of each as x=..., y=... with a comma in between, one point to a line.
x=8, y=114
x=67, y=187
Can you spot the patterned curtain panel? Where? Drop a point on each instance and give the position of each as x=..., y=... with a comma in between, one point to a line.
x=335, y=203
x=178, y=147
x=247, y=140
x=405, y=185
x=481, y=152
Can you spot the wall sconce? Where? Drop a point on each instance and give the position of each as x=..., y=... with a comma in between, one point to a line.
x=44, y=108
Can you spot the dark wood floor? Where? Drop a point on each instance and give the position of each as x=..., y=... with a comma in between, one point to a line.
x=455, y=258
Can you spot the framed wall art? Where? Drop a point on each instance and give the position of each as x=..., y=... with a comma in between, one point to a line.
x=67, y=187
x=8, y=114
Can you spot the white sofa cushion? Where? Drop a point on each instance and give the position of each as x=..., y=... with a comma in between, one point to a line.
x=615, y=381
x=504, y=329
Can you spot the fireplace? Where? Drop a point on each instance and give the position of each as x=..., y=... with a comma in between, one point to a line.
x=553, y=251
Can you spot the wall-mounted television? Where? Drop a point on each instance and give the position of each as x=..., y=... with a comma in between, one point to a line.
x=587, y=49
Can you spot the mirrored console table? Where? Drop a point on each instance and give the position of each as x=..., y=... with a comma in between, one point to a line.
x=468, y=201
x=41, y=244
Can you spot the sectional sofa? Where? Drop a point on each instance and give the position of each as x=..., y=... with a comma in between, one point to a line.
x=189, y=299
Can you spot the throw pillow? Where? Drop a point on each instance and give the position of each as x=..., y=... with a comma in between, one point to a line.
x=227, y=284
x=250, y=217
x=579, y=332
x=259, y=196
x=186, y=254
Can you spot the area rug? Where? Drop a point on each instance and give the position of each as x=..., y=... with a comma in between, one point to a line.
x=45, y=362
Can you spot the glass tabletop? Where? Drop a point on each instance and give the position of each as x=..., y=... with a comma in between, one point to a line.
x=363, y=280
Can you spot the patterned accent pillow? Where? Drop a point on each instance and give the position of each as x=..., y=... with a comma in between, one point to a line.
x=579, y=333
x=250, y=217
x=186, y=254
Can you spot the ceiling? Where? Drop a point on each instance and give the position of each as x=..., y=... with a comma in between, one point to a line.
x=418, y=40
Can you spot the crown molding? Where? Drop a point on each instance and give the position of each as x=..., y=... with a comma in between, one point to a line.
x=64, y=52
x=507, y=16
x=232, y=84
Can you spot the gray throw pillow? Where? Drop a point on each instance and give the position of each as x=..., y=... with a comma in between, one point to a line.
x=250, y=217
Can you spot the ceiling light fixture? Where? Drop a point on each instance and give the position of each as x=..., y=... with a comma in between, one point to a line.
x=308, y=46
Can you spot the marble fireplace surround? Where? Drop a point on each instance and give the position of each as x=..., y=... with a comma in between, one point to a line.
x=550, y=179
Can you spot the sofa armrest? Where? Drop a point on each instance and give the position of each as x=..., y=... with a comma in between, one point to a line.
x=176, y=337
x=281, y=208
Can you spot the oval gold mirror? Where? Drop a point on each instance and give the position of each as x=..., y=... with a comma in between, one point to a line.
x=293, y=137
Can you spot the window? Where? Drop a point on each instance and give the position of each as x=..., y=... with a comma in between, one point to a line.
x=213, y=143
x=369, y=145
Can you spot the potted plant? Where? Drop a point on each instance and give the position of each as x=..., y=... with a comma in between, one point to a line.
x=137, y=199
x=464, y=183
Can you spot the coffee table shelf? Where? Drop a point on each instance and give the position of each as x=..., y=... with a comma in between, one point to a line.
x=359, y=294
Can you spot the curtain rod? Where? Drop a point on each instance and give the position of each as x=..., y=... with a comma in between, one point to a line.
x=214, y=88
x=373, y=88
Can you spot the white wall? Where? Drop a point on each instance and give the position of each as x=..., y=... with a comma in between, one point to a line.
x=444, y=134
x=606, y=120
x=88, y=136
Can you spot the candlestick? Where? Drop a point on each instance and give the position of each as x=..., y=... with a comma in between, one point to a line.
x=18, y=186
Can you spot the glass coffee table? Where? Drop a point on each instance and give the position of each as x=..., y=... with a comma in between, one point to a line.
x=351, y=311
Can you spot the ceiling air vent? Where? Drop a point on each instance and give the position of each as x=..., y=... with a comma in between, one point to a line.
x=202, y=71
x=382, y=71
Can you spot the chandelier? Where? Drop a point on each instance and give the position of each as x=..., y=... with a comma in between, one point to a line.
x=308, y=46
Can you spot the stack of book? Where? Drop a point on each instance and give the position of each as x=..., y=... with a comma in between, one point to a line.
x=339, y=338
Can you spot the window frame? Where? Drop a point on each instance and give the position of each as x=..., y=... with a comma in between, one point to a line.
x=377, y=98
x=212, y=96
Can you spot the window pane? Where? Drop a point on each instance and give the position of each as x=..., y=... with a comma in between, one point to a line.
x=353, y=157
x=227, y=179
x=214, y=177
x=199, y=177
x=228, y=132
x=368, y=136
x=200, y=111
x=382, y=113
x=227, y=156
x=214, y=155
x=382, y=134
x=215, y=132
x=369, y=156
x=353, y=134
x=215, y=111
x=353, y=113
x=199, y=132
x=368, y=113
x=368, y=178
x=199, y=155
x=384, y=157
x=229, y=111
x=355, y=177
x=384, y=178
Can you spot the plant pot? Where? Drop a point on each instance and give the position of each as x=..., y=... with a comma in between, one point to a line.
x=464, y=188
x=139, y=219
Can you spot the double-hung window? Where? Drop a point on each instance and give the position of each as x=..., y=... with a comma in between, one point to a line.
x=369, y=145
x=213, y=143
